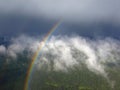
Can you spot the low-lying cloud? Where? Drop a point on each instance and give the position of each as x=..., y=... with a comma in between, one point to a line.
x=81, y=10
x=2, y=49
x=64, y=52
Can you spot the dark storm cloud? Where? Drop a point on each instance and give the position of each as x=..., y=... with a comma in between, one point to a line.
x=36, y=17
x=17, y=25
x=13, y=25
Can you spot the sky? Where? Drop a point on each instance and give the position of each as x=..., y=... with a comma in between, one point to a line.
x=23, y=21
x=89, y=18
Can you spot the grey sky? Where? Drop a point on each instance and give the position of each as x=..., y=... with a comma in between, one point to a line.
x=92, y=18
x=75, y=10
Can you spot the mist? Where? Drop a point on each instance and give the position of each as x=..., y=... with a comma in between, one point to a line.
x=65, y=52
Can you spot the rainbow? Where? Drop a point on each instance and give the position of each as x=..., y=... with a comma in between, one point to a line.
x=36, y=54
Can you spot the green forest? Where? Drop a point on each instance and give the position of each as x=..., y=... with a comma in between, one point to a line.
x=12, y=77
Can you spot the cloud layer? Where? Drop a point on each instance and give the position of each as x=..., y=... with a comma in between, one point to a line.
x=63, y=52
x=82, y=10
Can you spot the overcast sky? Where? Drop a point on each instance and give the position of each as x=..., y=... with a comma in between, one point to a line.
x=84, y=17
x=68, y=9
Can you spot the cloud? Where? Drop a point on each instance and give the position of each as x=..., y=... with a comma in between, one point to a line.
x=65, y=52
x=81, y=10
x=2, y=49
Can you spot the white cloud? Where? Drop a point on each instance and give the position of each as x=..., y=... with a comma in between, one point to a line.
x=2, y=49
x=94, y=54
x=68, y=9
x=21, y=44
x=63, y=52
